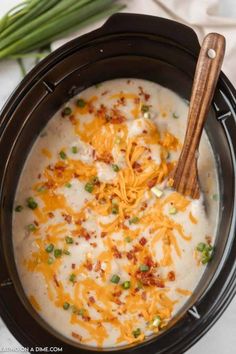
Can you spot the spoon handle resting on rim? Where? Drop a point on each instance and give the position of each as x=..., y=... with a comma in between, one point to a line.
x=184, y=178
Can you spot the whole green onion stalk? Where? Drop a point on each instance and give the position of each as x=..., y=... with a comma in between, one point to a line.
x=34, y=24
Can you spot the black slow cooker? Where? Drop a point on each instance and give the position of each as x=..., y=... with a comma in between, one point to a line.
x=127, y=46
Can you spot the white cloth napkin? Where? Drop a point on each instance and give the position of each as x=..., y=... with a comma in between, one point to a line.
x=203, y=15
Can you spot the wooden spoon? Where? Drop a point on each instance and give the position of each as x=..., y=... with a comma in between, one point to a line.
x=184, y=178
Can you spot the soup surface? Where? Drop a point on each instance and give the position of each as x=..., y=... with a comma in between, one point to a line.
x=105, y=255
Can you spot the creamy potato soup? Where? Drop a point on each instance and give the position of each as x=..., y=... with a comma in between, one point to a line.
x=105, y=255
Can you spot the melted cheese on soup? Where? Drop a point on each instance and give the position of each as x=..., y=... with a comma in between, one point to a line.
x=105, y=256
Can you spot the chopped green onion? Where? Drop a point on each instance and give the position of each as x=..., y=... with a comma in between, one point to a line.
x=201, y=246
x=115, y=279
x=69, y=240
x=158, y=192
x=31, y=227
x=68, y=185
x=128, y=239
x=94, y=179
x=156, y=321
x=89, y=187
x=126, y=285
x=139, y=284
x=144, y=268
x=62, y=155
x=41, y=189
x=74, y=309
x=145, y=108
x=50, y=260
x=66, y=252
x=115, y=209
x=72, y=278
x=115, y=168
x=134, y=220
x=81, y=312
x=31, y=203
x=66, y=306
x=136, y=333
x=80, y=103
x=172, y=210
x=66, y=111
x=207, y=252
x=74, y=149
x=174, y=115
x=117, y=140
x=18, y=208
x=49, y=248
x=57, y=253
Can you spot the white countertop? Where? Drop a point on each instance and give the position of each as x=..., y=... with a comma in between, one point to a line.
x=221, y=339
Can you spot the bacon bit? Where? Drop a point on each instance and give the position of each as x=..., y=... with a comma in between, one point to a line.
x=86, y=318
x=93, y=244
x=50, y=168
x=116, y=117
x=128, y=82
x=88, y=265
x=90, y=107
x=84, y=233
x=51, y=215
x=39, y=175
x=36, y=223
x=78, y=222
x=123, y=150
x=117, y=293
x=60, y=168
x=136, y=166
x=131, y=256
x=144, y=94
x=77, y=336
x=149, y=279
x=116, y=253
x=171, y=275
x=152, y=182
x=72, y=119
x=117, y=301
x=104, y=93
x=137, y=100
x=123, y=226
x=49, y=185
x=91, y=300
x=144, y=206
x=103, y=234
x=67, y=218
x=122, y=101
x=73, y=265
x=144, y=295
x=97, y=266
x=56, y=281
x=143, y=241
x=149, y=158
x=144, y=131
x=149, y=262
x=105, y=157
x=101, y=112
x=208, y=239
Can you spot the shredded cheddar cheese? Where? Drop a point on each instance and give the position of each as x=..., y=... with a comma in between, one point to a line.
x=102, y=243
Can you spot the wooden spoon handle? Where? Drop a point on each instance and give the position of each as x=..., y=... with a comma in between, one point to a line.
x=205, y=80
x=184, y=178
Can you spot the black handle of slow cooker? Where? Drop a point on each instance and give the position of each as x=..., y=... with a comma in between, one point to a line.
x=159, y=26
